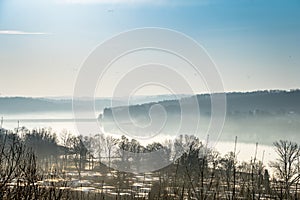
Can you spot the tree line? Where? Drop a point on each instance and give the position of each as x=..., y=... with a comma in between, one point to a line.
x=196, y=171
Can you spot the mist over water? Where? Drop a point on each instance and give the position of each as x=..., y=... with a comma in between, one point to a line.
x=256, y=117
x=249, y=131
x=57, y=121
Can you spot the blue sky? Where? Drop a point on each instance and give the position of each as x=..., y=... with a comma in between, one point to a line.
x=255, y=44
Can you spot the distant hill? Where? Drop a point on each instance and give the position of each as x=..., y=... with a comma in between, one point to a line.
x=19, y=105
x=273, y=102
x=23, y=105
x=253, y=116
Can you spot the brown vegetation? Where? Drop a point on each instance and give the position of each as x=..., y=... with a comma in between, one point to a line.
x=33, y=165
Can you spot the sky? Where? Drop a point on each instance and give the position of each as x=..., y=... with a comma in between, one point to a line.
x=43, y=43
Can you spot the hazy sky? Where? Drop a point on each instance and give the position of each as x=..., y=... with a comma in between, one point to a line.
x=255, y=44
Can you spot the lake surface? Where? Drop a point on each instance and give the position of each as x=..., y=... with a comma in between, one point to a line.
x=64, y=121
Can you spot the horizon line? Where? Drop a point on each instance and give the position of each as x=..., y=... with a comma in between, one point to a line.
x=67, y=97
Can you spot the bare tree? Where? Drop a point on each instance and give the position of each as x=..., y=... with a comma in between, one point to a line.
x=88, y=143
x=66, y=141
x=10, y=156
x=80, y=152
x=110, y=144
x=98, y=144
x=286, y=164
x=178, y=148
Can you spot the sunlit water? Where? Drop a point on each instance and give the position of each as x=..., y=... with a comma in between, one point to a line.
x=59, y=122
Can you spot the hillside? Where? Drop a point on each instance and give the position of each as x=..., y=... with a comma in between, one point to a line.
x=252, y=116
x=251, y=103
x=21, y=105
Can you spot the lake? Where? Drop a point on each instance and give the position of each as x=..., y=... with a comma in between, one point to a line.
x=61, y=121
